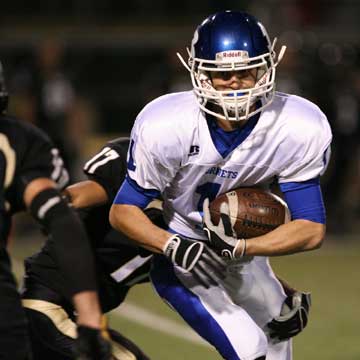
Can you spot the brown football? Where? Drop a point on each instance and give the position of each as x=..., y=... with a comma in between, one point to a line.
x=253, y=211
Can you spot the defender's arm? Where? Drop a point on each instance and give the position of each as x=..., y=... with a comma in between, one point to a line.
x=53, y=212
x=86, y=194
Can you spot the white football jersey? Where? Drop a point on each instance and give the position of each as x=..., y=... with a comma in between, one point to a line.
x=172, y=151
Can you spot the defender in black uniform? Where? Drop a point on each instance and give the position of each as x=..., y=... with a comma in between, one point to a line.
x=45, y=297
x=31, y=172
x=120, y=264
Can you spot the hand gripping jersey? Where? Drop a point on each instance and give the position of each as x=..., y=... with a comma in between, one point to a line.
x=172, y=152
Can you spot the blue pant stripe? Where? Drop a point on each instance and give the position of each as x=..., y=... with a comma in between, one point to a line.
x=189, y=306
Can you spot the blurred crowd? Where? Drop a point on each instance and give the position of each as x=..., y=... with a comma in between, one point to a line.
x=75, y=92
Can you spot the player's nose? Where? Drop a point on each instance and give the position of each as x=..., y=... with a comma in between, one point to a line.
x=236, y=83
x=235, y=80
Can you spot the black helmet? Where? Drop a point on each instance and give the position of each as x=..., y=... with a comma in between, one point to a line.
x=4, y=96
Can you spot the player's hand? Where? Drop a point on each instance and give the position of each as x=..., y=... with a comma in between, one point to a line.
x=293, y=317
x=195, y=256
x=222, y=237
x=92, y=344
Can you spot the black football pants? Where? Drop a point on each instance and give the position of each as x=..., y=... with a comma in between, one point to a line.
x=49, y=342
x=14, y=341
x=52, y=331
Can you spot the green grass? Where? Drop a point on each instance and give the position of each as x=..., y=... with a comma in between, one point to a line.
x=332, y=276
x=160, y=346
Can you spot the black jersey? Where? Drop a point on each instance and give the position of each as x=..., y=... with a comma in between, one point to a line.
x=108, y=166
x=120, y=263
x=27, y=153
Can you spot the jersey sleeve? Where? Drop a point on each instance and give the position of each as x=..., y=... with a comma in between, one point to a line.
x=41, y=159
x=308, y=152
x=8, y=161
x=305, y=200
x=154, y=155
x=108, y=166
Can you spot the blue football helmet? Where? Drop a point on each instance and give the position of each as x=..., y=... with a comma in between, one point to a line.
x=232, y=41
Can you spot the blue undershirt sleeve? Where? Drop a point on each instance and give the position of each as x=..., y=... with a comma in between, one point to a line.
x=305, y=200
x=131, y=193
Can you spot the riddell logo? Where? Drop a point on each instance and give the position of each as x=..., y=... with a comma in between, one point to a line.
x=264, y=79
x=238, y=54
x=206, y=84
x=233, y=54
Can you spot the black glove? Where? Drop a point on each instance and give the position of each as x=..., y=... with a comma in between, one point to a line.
x=196, y=257
x=92, y=344
x=293, y=317
x=222, y=237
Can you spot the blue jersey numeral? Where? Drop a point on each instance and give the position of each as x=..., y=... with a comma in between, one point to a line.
x=131, y=163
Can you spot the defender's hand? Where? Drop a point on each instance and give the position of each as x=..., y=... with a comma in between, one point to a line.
x=293, y=317
x=222, y=236
x=92, y=344
x=196, y=257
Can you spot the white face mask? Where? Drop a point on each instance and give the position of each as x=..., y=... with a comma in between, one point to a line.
x=234, y=105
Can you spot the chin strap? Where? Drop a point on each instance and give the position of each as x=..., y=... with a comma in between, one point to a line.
x=183, y=61
x=281, y=52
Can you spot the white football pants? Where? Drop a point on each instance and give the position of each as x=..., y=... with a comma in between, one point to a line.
x=231, y=316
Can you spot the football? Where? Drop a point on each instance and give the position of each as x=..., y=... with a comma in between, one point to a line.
x=253, y=211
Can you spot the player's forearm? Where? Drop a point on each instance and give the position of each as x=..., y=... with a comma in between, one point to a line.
x=58, y=219
x=88, y=310
x=85, y=194
x=295, y=236
x=132, y=221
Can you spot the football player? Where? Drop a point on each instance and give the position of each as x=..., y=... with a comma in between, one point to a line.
x=31, y=174
x=233, y=130
x=120, y=265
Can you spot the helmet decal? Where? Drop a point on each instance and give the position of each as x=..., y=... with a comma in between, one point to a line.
x=265, y=33
x=238, y=56
x=194, y=41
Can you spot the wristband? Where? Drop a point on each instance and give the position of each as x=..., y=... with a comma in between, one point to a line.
x=243, y=250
